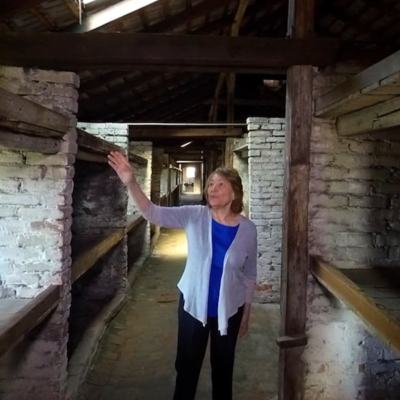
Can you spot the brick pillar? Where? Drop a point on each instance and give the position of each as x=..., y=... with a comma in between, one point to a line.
x=140, y=239
x=266, y=169
x=35, y=221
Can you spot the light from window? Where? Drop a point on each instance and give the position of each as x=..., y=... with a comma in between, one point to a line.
x=190, y=172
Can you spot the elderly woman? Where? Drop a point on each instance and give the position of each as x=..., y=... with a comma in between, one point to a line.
x=218, y=281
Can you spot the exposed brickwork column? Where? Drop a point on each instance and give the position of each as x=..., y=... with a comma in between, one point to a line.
x=35, y=235
x=266, y=169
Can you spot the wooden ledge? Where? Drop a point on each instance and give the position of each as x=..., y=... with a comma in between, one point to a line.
x=137, y=158
x=95, y=149
x=133, y=222
x=286, y=342
x=372, y=294
x=88, y=249
x=241, y=148
x=30, y=312
x=16, y=108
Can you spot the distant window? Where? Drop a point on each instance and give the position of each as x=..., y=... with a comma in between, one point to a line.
x=191, y=172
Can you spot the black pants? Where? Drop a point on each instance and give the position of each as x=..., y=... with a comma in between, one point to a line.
x=192, y=345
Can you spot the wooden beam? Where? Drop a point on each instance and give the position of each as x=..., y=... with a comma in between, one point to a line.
x=286, y=342
x=211, y=28
x=91, y=249
x=376, y=317
x=301, y=19
x=116, y=91
x=377, y=83
x=381, y=116
x=17, y=108
x=106, y=16
x=212, y=115
x=165, y=104
x=136, y=158
x=75, y=8
x=125, y=50
x=229, y=78
x=90, y=143
x=295, y=210
x=16, y=141
x=160, y=133
x=133, y=222
x=14, y=330
x=249, y=102
x=29, y=129
x=229, y=145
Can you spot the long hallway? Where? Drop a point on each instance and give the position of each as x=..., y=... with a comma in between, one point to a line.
x=136, y=356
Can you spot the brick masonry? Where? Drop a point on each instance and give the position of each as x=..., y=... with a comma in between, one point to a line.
x=353, y=223
x=241, y=164
x=266, y=141
x=35, y=220
x=139, y=240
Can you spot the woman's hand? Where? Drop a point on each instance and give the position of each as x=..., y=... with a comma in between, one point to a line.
x=244, y=325
x=122, y=167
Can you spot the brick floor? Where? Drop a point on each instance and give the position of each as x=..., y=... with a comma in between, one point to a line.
x=136, y=355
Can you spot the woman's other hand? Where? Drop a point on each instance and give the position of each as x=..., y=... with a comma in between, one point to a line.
x=122, y=167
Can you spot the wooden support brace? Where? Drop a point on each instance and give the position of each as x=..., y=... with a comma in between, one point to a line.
x=286, y=342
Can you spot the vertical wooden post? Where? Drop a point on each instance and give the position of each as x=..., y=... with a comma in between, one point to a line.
x=229, y=152
x=295, y=213
x=169, y=186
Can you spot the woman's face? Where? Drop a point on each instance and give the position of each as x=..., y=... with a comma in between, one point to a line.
x=220, y=192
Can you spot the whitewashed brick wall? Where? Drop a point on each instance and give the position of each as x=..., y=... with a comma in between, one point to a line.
x=266, y=140
x=35, y=221
x=143, y=176
x=241, y=164
x=353, y=223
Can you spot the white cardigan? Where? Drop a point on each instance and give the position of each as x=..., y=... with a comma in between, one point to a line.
x=240, y=263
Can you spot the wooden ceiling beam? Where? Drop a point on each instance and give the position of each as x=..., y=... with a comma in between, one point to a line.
x=208, y=29
x=105, y=50
x=98, y=100
x=162, y=133
x=170, y=107
x=106, y=16
x=155, y=99
x=9, y=7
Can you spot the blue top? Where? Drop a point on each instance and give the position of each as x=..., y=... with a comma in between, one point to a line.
x=240, y=261
x=222, y=238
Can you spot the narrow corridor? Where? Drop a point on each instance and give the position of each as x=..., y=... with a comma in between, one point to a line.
x=136, y=355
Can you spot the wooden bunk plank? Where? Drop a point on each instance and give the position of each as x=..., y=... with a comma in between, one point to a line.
x=96, y=149
x=365, y=89
x=137, y=158
x=88, y=249
x=133, y=222
x=30, y=129
x=377, y=317
x=17, y=108
x=14, y=141
x=384, y=115
x=15, y=328
x=91, y=143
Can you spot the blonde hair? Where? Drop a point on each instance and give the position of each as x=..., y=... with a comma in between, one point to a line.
x=233, y=177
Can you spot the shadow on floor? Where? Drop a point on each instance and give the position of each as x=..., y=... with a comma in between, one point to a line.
x=136, y=356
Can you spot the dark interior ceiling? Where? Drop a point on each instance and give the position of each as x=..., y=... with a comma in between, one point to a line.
x=151, y=96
